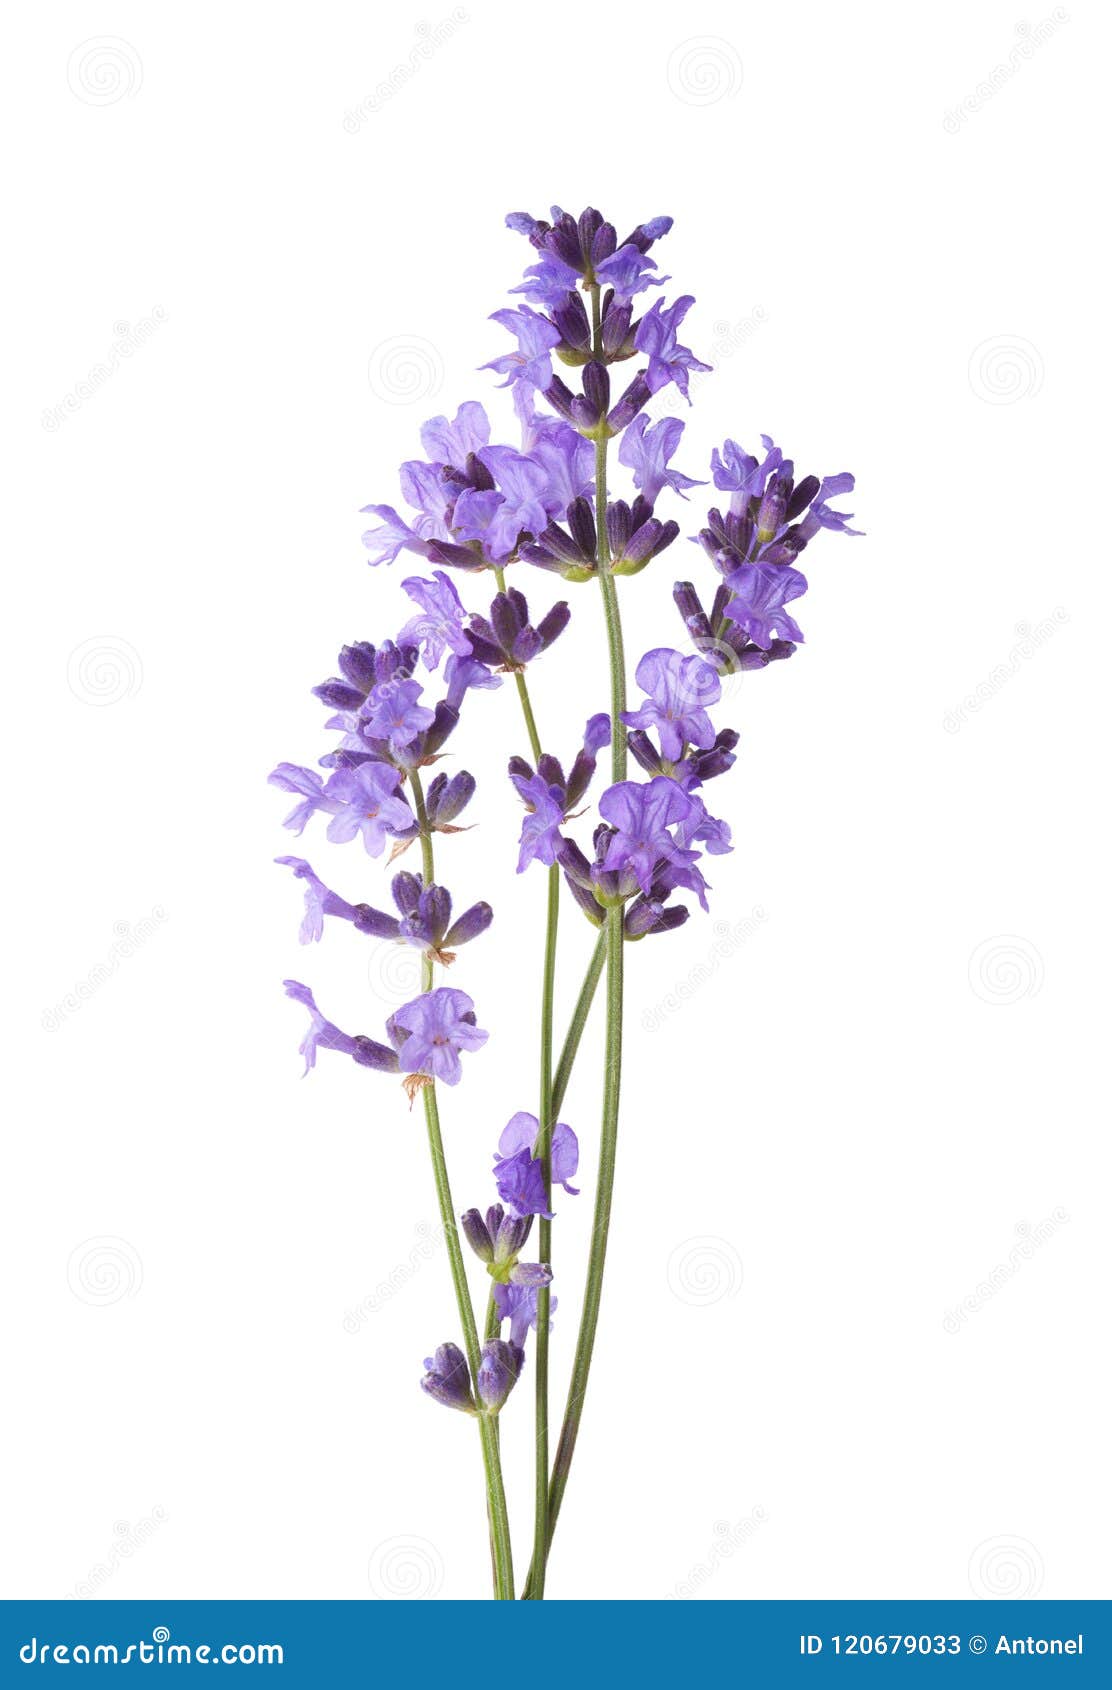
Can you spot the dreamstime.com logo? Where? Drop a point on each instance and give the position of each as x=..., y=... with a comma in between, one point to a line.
x=159, y=1651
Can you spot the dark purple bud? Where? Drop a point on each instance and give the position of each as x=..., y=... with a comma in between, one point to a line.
x=644, y=751
x=339, y=695
x=445, y=720
x=801, y=497
x=375, y=922
x=471, y=923
x=771, y=514
x=550, y=770
x=596, y=388
x=510, y=1233
x=570, y=318
x=617, y=341
x=477, y=1234
x=505, y=621
x=448, y=1379
x=581, y=522
x=478, y=476
x=561, y=398
x=551, y=626
x=586, y=900
x=369, y=1054
x=455, y=557
x=452, y=797
x=645, y=233
x=357, y=664
x=499, y=1369
x=405, y=889
x=637, y=394
x=645, y=916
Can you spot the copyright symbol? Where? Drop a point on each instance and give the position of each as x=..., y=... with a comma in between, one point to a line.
x=977, y=1645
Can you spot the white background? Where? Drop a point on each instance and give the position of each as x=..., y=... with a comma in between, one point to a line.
x=831, y=1145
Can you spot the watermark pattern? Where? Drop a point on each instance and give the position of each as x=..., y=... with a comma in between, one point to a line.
x=431, y=38
x=1005, y=368
x=704, y=70
x=1030, y=1242
x=130, y=938
x=104, y=69
x=405, y=369
x=1030, y=643
x=1005, y=1567
x=702, y=1271
x=728, y=1539
x=430, y=1242
x=394, y=972
x=104, y=670
x=127, y=339
x=101, y=1271
x=127, y=1541
x=405, y=1569
x=1031, y=37
x=1005, y=968
x=729, y=938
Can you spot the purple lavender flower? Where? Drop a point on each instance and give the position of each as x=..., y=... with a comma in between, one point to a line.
x=366, y=801
x=531, y=364
x=679, y=688
x=462, y=675
x=646, y=451
x=322, y=1032
x=518, y=1305
x=821, y=516
x=448, y=1379
x=319, y=902
x=440, y=626
x=363, y=800
x=392, y=714
x=495, y=519
x=393, y=535
x=550, y=796
x=642, y=816
x=568, y=462
x=454, y=442
x=656, y=337
x=431, y=1032
x=736, y=472
x=520, y=1176
x=758, y=594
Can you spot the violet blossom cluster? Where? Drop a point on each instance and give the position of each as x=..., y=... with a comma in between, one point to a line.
x=473, y=505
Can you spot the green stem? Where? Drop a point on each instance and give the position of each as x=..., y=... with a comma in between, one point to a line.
x=578, y=1023
x=501, y=1550
x=614, y=942
x=543, y=1150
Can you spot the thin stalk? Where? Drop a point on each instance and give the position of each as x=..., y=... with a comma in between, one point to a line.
x=543, y=1150
x=614, y=948
x=501, y=1550
x=578, y=1023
